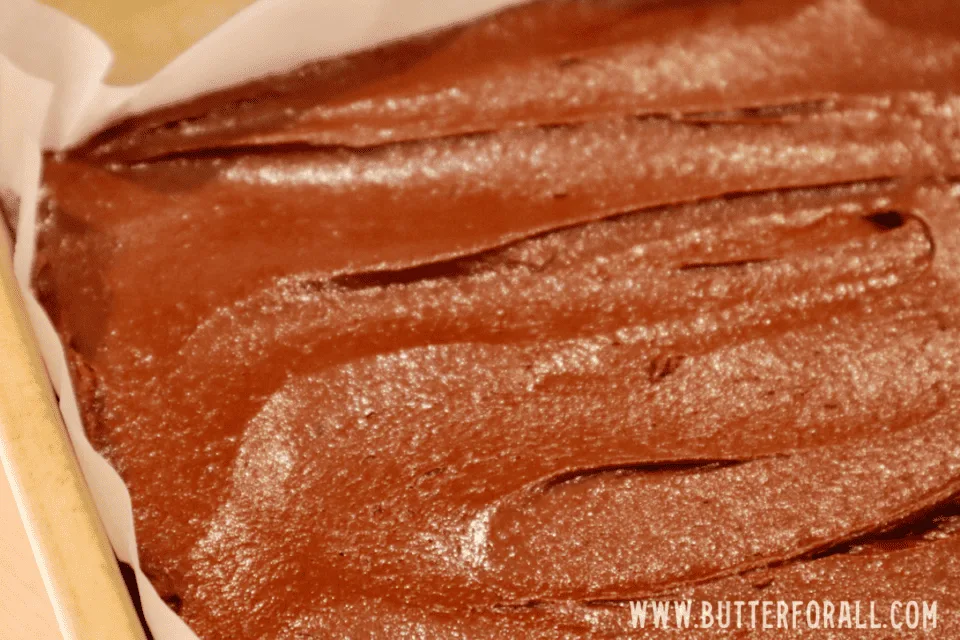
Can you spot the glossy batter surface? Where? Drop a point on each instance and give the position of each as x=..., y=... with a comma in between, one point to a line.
x=484, y=334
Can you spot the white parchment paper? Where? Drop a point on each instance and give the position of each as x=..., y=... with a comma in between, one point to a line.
x=52, y=95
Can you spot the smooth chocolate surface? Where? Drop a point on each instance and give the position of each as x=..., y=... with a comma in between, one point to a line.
x=487, y=333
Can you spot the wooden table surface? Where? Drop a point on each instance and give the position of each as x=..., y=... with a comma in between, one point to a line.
x=145, y=34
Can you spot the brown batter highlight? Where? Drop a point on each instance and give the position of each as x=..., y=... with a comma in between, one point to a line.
x=491, y=331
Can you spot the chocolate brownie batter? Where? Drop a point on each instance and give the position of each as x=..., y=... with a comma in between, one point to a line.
x=486, y=333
